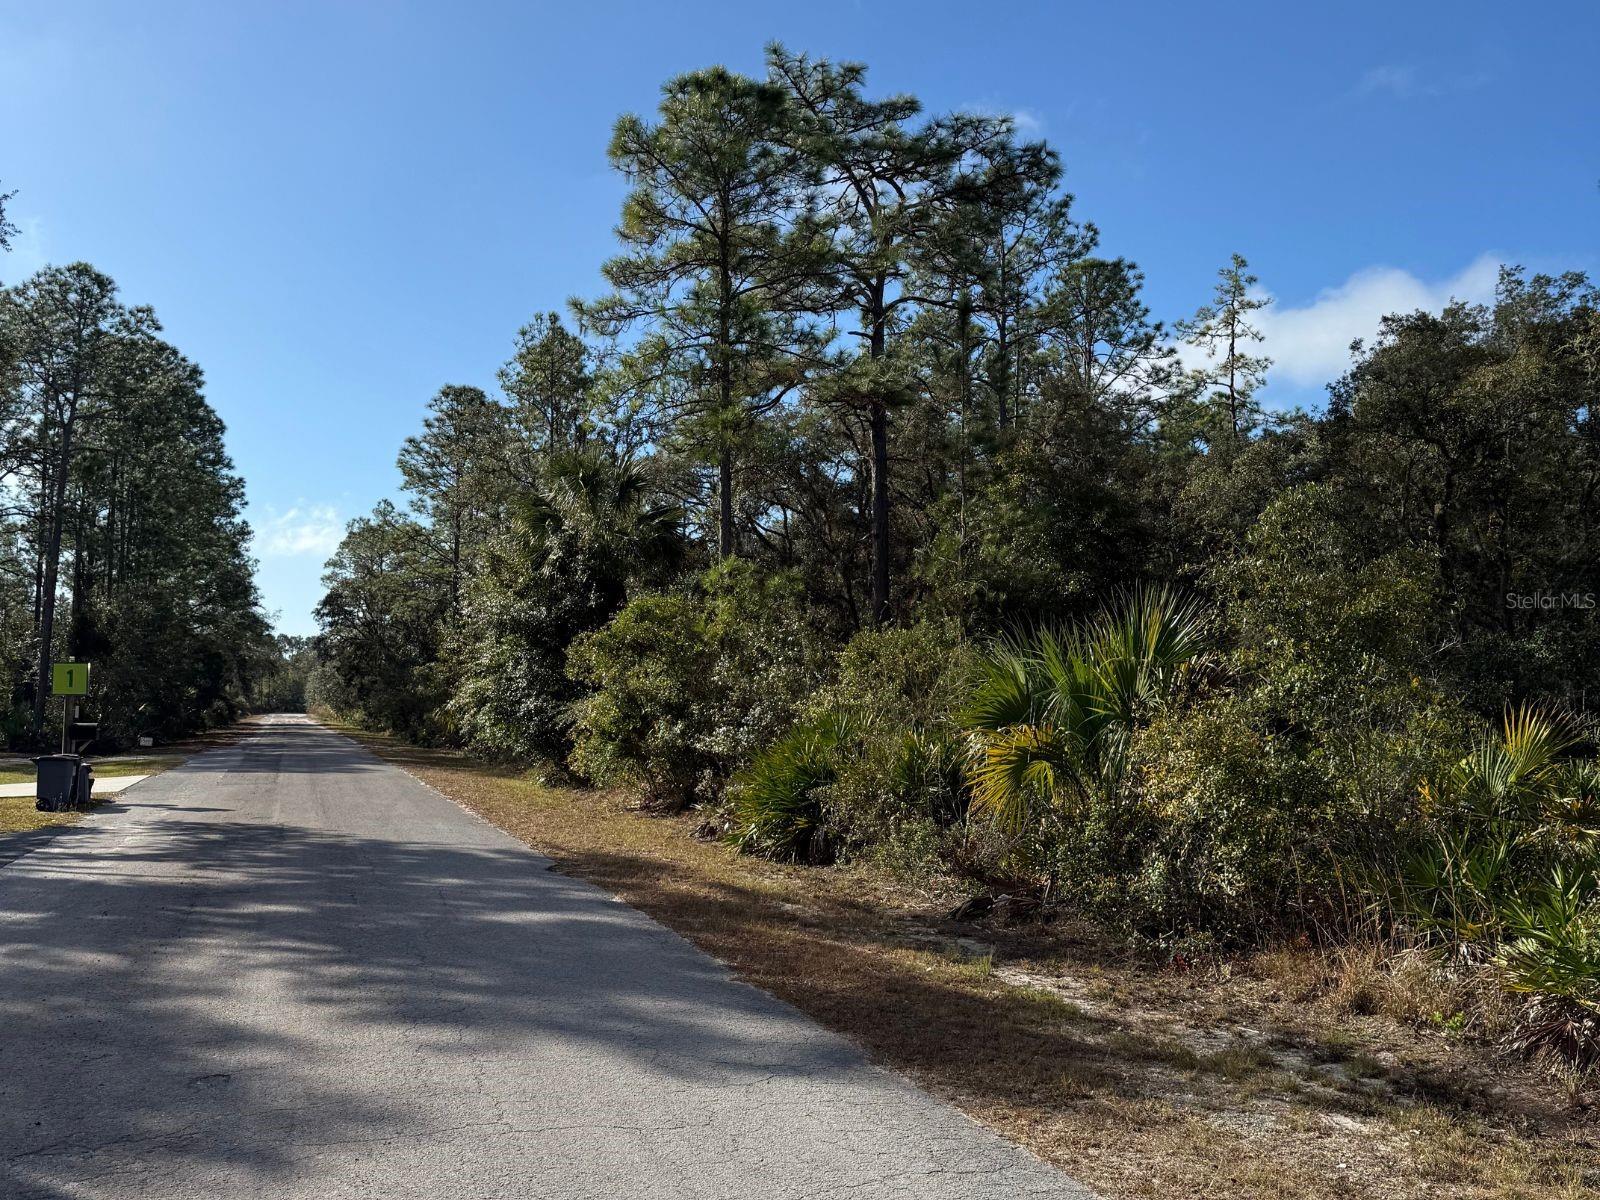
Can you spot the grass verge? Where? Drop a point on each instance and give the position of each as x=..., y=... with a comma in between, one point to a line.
x=18, y=815
x=1141, y=1081
x=104, y=768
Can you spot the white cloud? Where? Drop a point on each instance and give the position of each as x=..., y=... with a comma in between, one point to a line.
x=1403, y=81
x=1310, y=344
x=1397, y=79
x=300, y=530
x=1028, y=123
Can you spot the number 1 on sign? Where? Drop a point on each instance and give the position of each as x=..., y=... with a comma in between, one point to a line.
x=70, y=679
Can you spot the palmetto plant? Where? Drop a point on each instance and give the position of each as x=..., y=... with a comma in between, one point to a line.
x=777, y=807
x=1509, y=876
x=1552, y=955
x=1507, y=813
x=587, y=497
x=1526, y=775
x=1051, y=721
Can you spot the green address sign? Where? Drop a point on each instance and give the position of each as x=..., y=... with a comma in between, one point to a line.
x=70, y=679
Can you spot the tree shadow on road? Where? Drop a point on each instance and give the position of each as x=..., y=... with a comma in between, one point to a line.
x=223, y=993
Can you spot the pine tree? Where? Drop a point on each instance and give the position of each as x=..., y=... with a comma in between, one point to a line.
x=454, y=471
x=1223, y=332
x=717, y=258
x=883, y=189
x=7, y=229
x=64, y=328
x=548, y=381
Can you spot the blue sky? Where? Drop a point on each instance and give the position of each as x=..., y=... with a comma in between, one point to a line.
x=335, y=208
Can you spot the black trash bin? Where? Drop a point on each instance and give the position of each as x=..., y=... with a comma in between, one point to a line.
x=85, y=785
x=57, y=788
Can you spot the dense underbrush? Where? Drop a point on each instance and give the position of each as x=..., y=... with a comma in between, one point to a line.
x=1151, y=768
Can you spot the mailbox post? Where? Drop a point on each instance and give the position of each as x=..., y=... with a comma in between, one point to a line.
x=65, y=779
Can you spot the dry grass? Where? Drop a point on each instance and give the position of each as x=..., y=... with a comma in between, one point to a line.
x=18, y=815
x=1283, y=1077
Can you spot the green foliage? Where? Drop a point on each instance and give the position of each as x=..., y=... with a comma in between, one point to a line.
x=1190, y=791
x=874, y=763
x=1335, y=629
x=7, y=229
x=1045, y=535
x=121, y=535
x=1552, y=947
x=900, y=791
x=911, y=677
x=285, y=684
x=1228, y=411
x=1505, y=872
x=560, y=569
x=1462, y=434
x=387, y=596
x=1233, y=822
x=1506, y=815
x=1453, y=886
x=1052, y=719
x=645, y=672
x=778, y=809
x=867, y=360
x=549, y=383
x=1552, y=955
x=684, y=688
x=715, y=261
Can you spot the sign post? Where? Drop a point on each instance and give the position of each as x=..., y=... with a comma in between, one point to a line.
x=69, y=680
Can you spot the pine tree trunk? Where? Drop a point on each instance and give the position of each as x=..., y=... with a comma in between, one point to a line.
x=725, y=534
x=879, y=420
x=52, y=570
x=880, y=513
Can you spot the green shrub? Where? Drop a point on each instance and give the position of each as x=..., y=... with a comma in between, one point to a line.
x=875, y=762
x=1290, y=783
x=1552, y=956
x=1054, y=715
x=1505, y=873
x=562, y=567
x=685, y=688
x=1048, y=725
x=1328, y=633
x=1256, y=826
x=913, y=675
x=1197, y=794
x=765, y=663
x=1036, y=542
x=647, y=671
x=900, y=794
x=1500, y=820
x=927, y=775
x=1452, y=887
x=778, y=808
x=1231, y=813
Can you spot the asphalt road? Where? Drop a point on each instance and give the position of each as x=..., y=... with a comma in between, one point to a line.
x=288, y=969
